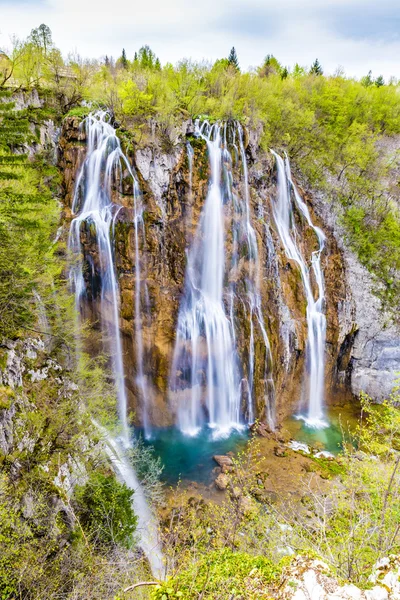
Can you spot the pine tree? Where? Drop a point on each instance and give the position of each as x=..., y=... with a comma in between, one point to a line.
x=233, y=59
x=107, y=61
x=284, y=73
x=379, y=81
x=124, y=60
x=316, y=68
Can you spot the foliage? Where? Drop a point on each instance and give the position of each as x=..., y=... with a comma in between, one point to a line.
x=28, y=219
x=148, y=467
x=104, y=509
x=221, y=574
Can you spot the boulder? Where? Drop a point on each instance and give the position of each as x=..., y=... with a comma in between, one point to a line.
x=225, y=462
x=260, y=429
x=222, y=482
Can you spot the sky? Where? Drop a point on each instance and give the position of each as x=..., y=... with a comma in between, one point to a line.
x=357, y=35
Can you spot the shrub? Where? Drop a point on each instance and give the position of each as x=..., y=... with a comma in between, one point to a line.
x=104, y=509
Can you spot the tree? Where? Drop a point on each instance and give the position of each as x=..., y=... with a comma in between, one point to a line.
x=298, y=71
x=104, y=509
x=123, y=59
x=367, y=80
x=285, y=73
x=379, y=81
x=146, y=59
x=233, y=59
x=41, y=37
x=316, y=68
x=271, y=66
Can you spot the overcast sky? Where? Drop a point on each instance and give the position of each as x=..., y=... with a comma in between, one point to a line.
x=358, y=35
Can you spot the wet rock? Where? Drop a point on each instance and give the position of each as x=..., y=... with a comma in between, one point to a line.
x=225, y=462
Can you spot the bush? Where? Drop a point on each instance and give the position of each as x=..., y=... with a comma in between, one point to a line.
x=221, y=574
x=104, y=509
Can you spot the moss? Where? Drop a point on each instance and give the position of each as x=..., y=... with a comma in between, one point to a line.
x=6, y=397
x=79, y=111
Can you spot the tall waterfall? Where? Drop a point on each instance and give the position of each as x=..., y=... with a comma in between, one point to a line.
x=282, y=207
x=96, y=213
x=256, y=316
x=208, y=378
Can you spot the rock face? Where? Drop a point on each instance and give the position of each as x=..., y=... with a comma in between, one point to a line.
x=369, y=340
x=310, y=579
x=360, y=354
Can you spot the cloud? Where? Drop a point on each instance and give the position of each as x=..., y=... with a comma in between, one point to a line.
x=358, y=34
x=377, y=21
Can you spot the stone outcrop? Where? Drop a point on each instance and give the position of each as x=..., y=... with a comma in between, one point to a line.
x=311, y=579
x=360, y=353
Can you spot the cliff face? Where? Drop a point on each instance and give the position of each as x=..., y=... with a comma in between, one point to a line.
x=173, y=196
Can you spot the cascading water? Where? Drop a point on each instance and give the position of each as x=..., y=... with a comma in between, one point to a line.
x=316, y=321
x=254, y=299
x=95, y=211
x=204, y=348
x=207, y=378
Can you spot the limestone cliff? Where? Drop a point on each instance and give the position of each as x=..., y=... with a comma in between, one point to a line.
x=358, y=346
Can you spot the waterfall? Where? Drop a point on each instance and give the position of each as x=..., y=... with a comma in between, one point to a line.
x=254, y=299
x=95, y=212
x=209, y=380
x=282, y=207
x=204, y=351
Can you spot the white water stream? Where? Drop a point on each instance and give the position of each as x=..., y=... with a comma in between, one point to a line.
x=316, y=322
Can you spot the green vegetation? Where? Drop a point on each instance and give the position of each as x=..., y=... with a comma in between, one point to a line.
x=104, y=509
x=221, y=574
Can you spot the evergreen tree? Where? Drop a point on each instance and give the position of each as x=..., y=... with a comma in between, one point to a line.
x=146, y=58
x=379, y=81
x=157, y=65
x=233, y=59
x=316, y=68
x=124, y=60
x=107, y=61
x=284, y=73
